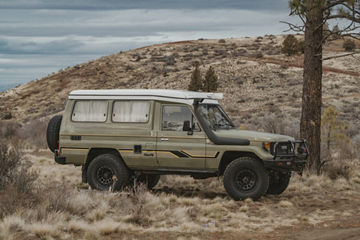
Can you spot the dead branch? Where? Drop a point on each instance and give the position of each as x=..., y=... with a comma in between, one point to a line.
x=293, y=27
x=338, y=56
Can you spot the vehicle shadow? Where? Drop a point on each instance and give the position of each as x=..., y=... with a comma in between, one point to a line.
x=190, y=192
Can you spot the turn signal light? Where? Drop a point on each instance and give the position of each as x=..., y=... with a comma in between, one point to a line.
x=267, y=146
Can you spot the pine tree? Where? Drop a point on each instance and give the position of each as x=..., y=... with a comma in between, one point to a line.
x=196, y=79
x=314, y=14
x=290, y=45
x=210, y=81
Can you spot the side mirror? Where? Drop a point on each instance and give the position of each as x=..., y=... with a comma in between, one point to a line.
x=187, y=128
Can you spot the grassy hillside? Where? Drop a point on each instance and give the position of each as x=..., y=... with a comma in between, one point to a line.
x=258, y=81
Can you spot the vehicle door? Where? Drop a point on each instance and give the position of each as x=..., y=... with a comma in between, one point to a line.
x=180, y=143
x=132, y=126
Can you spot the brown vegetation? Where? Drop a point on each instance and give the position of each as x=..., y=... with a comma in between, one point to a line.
x=63, y=208
x=260, y=93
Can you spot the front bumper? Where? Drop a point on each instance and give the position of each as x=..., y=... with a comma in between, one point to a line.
x=294, y=158
x=58, y=158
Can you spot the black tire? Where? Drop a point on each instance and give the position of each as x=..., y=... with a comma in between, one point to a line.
x=246, y=177
x=52, y=132
x=103, y=169
x=149, y=179
x=278, y=182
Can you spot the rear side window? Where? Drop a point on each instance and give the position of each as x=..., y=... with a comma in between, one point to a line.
x=90, y=111
x=131, y=111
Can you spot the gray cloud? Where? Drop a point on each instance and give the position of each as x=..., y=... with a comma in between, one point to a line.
x=28, y=46
x=143, y=4
x=38, y=37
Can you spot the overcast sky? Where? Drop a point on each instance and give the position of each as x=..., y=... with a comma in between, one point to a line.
x=38, y=37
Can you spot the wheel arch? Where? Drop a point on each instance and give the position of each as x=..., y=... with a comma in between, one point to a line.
x=93, y=153
x=230, y=156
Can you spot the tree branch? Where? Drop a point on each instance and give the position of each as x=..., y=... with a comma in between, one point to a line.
x=351, y=9
x=339, y=56
x=333, y=4
x=293, y=27
x=351, y=18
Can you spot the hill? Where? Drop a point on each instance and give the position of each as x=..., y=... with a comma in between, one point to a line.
x=262, y=91
x=260, y=83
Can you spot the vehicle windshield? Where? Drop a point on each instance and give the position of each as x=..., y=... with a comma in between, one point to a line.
x=215, y=116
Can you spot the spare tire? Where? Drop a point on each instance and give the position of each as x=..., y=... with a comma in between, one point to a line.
x=52, y=132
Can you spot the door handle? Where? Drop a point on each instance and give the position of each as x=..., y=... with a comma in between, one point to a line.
x=164, y=139
x=148, y=154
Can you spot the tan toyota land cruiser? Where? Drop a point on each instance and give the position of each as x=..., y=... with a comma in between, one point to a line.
x=119, y=136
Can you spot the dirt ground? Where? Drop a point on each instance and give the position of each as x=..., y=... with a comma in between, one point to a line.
x=179, y=207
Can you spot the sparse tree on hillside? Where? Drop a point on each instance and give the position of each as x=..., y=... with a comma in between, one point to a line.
x=290, y=45
x=314, y=14
x=210, y=81
x=196, y=79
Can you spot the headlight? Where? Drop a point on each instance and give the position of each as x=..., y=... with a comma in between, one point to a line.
x=282, y=148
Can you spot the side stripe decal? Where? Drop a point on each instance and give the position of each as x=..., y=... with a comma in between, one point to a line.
x=179, y=154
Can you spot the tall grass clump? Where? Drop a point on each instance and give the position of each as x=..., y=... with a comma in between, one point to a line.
x=16, y=181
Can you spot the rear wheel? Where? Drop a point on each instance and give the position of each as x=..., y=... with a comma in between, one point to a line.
x=279, y=181
x=107, y=171
x=246, y=177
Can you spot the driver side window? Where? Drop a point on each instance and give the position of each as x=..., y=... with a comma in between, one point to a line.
x=173, y=118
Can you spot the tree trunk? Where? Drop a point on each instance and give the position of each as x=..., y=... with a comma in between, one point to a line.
x=310, y=126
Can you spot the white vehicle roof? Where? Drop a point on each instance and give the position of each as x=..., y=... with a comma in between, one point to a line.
x=147, y=94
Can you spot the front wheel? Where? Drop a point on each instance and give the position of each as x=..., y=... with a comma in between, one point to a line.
x=106, y=172
x=279, y=181
x=246, y=177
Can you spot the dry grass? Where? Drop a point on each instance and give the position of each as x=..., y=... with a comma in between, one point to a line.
x=29, y=135
x=178, y=205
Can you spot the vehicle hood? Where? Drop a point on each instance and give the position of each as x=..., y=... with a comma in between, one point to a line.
x=252, y=135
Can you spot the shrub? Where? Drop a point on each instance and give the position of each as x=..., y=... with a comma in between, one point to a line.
x=349, y=45
x=335, y=170
x=9, y=129
x=196, y=79
x=222, y=41
x=258, y=55
x=16, y=181
x=31, y=134
x=34, y=133
x=332, y=129
x=210, y=81
x=290, y=46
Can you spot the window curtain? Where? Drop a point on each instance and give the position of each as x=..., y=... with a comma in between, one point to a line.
x=131, y=111
x=90, y=111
